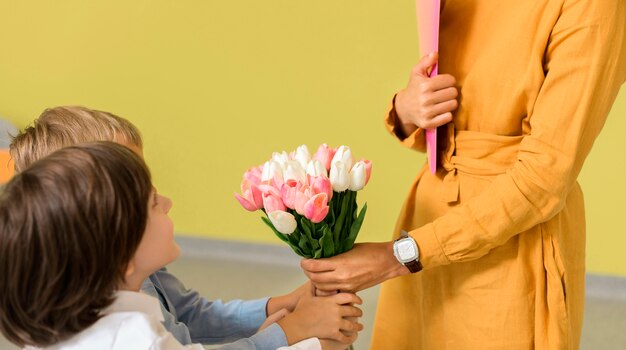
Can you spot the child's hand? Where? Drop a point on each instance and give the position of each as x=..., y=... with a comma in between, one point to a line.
x=426, y=102
x=273, y=318
x=331, y=317
x=287, y=301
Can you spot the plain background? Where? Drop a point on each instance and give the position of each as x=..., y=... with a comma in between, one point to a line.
x=217, y=86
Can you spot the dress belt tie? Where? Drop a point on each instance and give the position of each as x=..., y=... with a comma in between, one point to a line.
x=475, y=153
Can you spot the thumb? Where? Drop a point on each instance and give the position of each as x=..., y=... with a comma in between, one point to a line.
x=426, y=64
x=273, y=318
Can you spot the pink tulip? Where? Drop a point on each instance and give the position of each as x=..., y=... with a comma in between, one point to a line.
x=253, y=175
x=302, y=197
x=248, y=204
x=288, y=193
x=316, y=208
x=321, y=184
x=273, y=202
x=325, y=155
x=269, y=187
x=251, y=197
x=368, y=169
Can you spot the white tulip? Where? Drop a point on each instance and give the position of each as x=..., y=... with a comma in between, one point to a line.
x=343, y=154
x=271, y=170
x=357, y=176
x=284, y=222
x=265, y=174
x=316, y=168
x=339, y=176
x=282, y=158
x=294, y=171
x=302, y=155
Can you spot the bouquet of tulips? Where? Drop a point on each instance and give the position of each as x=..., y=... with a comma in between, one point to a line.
x=309, y=201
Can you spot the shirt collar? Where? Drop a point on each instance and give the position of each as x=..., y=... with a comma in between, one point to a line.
x=127, y=301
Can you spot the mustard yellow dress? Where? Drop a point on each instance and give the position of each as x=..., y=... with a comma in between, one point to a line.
x=501, y=225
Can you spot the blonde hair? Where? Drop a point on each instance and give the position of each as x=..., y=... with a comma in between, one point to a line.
x=64, y=126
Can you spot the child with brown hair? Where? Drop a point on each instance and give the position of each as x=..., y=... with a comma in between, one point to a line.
x=80, y=230
x=188, y=316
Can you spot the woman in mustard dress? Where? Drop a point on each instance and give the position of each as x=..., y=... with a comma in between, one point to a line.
x=500, y=227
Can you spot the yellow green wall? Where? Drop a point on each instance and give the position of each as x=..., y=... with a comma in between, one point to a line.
x=216, y=86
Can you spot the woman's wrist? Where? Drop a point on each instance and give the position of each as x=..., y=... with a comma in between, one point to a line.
x=407, y=127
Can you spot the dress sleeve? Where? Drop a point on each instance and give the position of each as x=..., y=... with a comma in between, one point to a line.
x=585, y=64
x=415, y=141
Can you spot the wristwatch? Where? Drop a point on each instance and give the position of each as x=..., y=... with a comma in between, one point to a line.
x=406, y=251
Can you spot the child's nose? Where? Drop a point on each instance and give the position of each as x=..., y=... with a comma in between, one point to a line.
x=167, y=203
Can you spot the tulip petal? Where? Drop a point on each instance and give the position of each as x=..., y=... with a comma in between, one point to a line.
x=247, y=205
x=284, y=222
x=339, y=176
x=316, y=208
x=324, y=155
x=357, y=176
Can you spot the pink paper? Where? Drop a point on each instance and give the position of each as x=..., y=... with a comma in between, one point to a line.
x=428, y=31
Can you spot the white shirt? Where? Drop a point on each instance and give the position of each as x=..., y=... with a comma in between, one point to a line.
x=133, y=322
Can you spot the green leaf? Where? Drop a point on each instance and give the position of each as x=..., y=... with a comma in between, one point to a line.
x=294, y=240
x=330, y=218
x=335, y=201
x=350, y=215
x=318, y=253
x=320, y=231
x=308, y=228
x=354, y=230
x=328, y=246
x=304, y=245
x=305, y=227
x=282, y=237
x=341, y=217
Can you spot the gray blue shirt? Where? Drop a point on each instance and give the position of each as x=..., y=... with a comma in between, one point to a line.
x=194, y=319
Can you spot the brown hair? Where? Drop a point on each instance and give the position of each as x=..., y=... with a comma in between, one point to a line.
x=64, y=126
x=69, y=225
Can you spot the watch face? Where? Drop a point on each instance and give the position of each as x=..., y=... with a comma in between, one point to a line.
x=406, y=250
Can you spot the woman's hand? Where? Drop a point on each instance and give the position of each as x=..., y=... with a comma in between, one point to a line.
x=364, y=266
x=426, y=102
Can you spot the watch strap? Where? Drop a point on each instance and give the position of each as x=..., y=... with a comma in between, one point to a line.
x=414, y=266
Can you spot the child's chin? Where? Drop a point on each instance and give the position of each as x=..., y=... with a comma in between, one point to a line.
x=175, y=252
